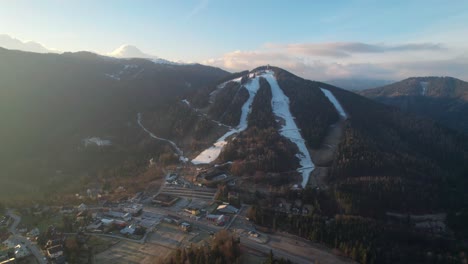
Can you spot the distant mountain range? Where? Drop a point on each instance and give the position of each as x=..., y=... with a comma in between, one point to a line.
x=51, y=103
x=444, y=99
x=77, y=117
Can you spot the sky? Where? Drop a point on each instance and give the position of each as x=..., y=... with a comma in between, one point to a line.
x=315, y=39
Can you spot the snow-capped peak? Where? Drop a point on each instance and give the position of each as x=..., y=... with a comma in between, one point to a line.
x=130, y=51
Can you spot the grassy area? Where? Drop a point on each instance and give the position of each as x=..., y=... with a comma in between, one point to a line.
x=101, y=244
x=252, y=257
x=42, y=222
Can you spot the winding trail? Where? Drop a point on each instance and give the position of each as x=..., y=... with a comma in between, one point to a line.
x=177, y=150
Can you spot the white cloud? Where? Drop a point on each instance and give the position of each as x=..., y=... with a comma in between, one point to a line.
x=324, y=61
x=8, y=42
x=347, y=49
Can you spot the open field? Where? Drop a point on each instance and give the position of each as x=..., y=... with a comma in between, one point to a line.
x=132, y=253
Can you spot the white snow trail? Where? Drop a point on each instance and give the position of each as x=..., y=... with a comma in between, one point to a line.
x=424, y=87
x=177, y=150
x=335, y=103
x=289, y=129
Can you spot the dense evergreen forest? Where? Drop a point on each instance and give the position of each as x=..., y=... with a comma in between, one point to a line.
x=224, y=249
x=399, y=161
x=444, y=99
x=364, y=239
x=228, y=103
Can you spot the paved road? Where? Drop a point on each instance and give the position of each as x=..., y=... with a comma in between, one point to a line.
x=18, y=238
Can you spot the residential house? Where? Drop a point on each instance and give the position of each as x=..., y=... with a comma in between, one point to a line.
x=82, y=207
x=227, y=209
x=184, y=226
x=192, y=211
x=219, y=220
x=129, y=230
x=119, y=215
x=21, y=251
x=55, y=251
x=133, y=209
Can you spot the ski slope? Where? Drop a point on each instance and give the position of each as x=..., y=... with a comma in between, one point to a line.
x=424, y=87
x=289, y=129
x=212, y=153
x=335, y=103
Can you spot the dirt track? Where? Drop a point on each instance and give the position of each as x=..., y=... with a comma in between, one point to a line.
x=323, y=156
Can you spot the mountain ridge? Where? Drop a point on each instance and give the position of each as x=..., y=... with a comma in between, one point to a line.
x=444, y=99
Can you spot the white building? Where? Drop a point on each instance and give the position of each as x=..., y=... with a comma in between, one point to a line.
x=227, y=209
x=21, y=251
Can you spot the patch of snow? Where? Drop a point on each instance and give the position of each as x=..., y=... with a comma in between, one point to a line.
x=113, y=76
x=335, y=103
x=96, y=141
x=280, y=105
x=130, y=66
x=177, y=150
x=187, y=102
x=226, y=163
x=212, y=153
x=222, y=85
x=163, y=61
x=424, y=87
x=117, y=76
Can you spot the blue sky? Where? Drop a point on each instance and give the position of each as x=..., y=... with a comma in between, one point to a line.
x=236, y=34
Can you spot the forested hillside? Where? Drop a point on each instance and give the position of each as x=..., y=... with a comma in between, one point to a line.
x=395, y=161
x=51, y=103
x=444, y=99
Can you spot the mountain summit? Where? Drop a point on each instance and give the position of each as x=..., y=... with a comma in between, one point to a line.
x=130, y=51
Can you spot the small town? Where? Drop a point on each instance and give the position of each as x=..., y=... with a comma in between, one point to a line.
x=181, y=214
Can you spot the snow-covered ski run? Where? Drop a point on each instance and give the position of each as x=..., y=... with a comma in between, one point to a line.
x=335, y=103
x=289, y=129
x=280, y=106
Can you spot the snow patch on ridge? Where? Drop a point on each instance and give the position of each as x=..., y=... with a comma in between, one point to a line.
x=222, y=85
x=280, y=105
x=335, y=103
x=424, y=87
x=96, y=141
x=212, y=153
x=118, y=76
